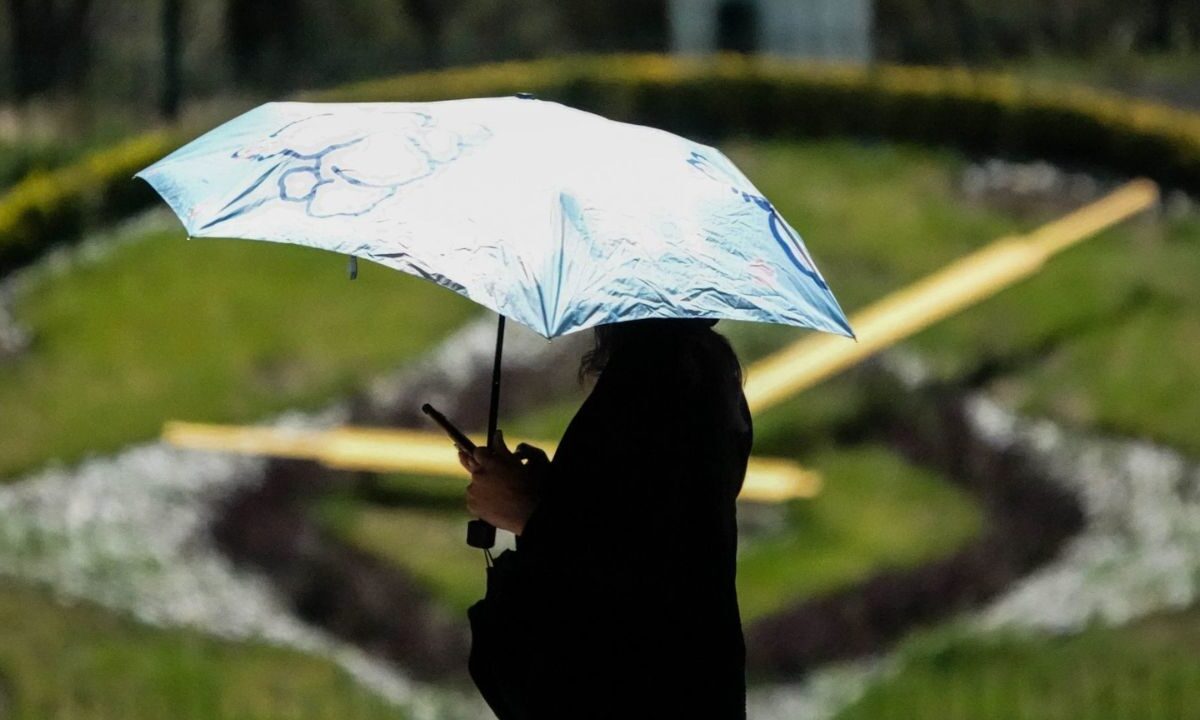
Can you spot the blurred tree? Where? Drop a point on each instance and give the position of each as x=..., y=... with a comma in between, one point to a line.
x=737, y=26
x=938, y=31
x=1172, y=24
x=616, y=25
x=430, y=18
x=484, y=30
x=264, y=37
x=172, y=89
x=51, y=40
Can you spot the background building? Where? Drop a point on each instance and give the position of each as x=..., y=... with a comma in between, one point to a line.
x=818, y=29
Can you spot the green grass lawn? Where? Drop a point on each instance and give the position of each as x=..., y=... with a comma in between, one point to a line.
x=1120, y=355
x=206, y=330
x=875, y=512
x=429, y=543
x=1105, y=336
x=1148, y=670
x=84, y=663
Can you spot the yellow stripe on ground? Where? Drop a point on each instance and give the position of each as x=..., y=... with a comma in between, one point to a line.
x=959, y=285
x=411, y=451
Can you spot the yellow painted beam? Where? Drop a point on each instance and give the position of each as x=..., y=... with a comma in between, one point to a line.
x=955, y=287
x=411, y=451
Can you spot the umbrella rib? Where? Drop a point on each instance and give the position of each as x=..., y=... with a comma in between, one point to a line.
x=254, y=185
x=235, y=213
x=410, y=262
x=558, y=275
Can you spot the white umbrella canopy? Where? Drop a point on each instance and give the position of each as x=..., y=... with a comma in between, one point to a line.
x=554, y=217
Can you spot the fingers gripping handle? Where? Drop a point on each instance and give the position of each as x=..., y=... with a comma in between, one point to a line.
x=480, y=533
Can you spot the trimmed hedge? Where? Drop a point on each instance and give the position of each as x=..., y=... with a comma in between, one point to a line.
x=707, y=98
x=20, y=159
x=54, y=206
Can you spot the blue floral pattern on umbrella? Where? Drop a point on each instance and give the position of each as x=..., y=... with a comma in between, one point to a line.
x=340, y=174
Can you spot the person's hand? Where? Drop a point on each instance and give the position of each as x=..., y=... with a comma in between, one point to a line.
x=504, y=490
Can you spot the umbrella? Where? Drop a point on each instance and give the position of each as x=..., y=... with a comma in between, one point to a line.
x=557, y=218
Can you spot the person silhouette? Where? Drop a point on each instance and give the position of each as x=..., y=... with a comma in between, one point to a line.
x=620, y=600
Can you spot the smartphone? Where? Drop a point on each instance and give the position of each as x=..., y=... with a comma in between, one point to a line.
x=458, y=437
x=480, y=533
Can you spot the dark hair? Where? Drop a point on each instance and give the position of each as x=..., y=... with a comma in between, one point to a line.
x=697, y=331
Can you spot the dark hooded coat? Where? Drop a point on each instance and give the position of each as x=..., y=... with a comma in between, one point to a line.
x=619, y=601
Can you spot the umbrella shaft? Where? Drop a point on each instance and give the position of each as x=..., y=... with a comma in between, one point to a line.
x=494, y=411
x=480, y=533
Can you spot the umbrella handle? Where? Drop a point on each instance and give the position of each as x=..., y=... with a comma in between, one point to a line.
x=481, y=534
